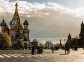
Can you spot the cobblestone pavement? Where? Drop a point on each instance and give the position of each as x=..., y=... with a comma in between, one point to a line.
x=47, y=56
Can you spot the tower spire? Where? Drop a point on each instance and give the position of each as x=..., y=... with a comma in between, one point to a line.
x=16, y=15
x=60, y=43
x=16, y=5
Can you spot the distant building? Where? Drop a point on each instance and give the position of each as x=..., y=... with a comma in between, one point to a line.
x=19, y=34
x=60, y=43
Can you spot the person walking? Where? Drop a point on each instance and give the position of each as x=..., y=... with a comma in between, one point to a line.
x=52, y=48
x=33, y=50
x=67, y=50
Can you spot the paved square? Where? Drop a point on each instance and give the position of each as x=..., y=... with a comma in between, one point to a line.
x=47, y=56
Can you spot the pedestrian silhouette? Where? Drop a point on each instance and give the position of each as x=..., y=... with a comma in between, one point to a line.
x=67, y=49
x=33, y=50
x=52, y=48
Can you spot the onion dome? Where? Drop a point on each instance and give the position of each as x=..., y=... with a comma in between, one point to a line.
x=20, y=27
x=12, y=22
x=3, y=23
x=25, y=22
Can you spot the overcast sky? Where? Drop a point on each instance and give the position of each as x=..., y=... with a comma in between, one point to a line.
x=67, y=3
x=67, y=6
x=47, y=18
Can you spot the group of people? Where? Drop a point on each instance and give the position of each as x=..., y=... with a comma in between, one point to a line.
x=67, y=49
x=39, y=49
x=52, y=48
x=36, y=50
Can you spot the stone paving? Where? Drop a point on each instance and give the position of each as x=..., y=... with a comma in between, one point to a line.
x=47, y=56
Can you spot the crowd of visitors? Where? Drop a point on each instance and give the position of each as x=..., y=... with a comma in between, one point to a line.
x=36, y=50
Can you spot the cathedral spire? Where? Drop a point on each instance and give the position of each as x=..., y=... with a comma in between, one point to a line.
x=16, y=15
x=16, y=5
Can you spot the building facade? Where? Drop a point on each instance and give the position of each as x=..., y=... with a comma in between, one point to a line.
x=19, y=33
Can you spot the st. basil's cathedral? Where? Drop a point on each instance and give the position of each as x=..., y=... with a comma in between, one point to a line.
x=19, y=34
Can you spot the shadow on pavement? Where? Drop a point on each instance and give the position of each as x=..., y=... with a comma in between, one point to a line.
x=62, y=54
